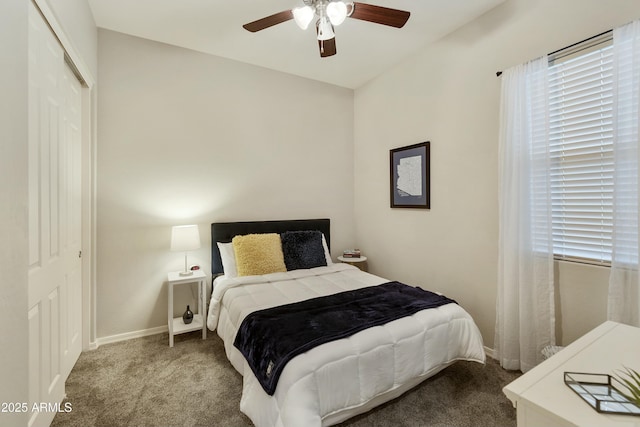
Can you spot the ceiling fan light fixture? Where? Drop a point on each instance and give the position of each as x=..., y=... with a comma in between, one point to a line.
x=325, y=30
x=337, y=12
x=303, y=16
x=329, y=13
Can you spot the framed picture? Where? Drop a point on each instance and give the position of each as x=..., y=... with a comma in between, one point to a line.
x=410, y=183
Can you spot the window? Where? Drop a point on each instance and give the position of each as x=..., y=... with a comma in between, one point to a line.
x=581, y=148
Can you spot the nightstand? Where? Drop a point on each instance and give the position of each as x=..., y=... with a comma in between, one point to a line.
x=176, y=324
x=361, y=262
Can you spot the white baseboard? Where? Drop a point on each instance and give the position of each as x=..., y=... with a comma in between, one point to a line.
x=130, y=335
x=490, y=352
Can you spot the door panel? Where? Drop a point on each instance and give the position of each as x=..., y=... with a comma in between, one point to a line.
x=55, y=290
x=34, y=356
x=71, y=226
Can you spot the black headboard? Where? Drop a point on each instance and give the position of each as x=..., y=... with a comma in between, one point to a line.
x=225, y=231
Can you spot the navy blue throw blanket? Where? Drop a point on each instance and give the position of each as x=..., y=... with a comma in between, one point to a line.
x=269, y=338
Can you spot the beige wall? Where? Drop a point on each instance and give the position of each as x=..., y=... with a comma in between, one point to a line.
x=449, y=95
x=581, y=299
x=185, y=137
x=76, y=19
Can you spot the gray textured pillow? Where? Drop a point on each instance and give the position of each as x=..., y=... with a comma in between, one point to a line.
x=303, y=249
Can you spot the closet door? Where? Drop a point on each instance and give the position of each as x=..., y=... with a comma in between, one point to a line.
x=55, y=293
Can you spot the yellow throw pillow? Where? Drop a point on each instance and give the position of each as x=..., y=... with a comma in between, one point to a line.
x=258, y=254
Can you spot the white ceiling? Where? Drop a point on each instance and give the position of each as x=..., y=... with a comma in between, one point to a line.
x=364, y=49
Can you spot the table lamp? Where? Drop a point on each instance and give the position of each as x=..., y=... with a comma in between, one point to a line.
x=185, y=238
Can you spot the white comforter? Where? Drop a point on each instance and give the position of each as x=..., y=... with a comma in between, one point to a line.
x=340, y=379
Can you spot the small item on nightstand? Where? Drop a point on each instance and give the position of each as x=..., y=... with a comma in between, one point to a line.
x=351, y=253
x=187, y=317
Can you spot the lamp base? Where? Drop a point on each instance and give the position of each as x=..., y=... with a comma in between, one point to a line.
x=186, y=273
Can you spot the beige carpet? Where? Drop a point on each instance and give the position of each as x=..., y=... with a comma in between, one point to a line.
x=143, y=382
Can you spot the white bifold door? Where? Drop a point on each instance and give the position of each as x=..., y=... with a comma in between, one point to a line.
x=55, y=291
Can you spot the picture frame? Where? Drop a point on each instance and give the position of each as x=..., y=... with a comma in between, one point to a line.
x=410, y=176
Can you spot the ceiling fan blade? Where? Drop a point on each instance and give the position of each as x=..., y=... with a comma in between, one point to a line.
x=327, y=47
x=268, y=21
x=380, y=15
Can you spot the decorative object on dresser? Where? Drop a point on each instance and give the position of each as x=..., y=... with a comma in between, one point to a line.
x=182, y=324
x=602, y=392
x=185, y=238
x=328, y=383
x=410, y=176
x=541, y=397
x=630, y=380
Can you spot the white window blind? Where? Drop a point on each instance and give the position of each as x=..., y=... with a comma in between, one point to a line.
x=581, y=138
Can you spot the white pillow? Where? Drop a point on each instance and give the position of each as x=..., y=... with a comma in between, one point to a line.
x=327, y=254
x=228, y=257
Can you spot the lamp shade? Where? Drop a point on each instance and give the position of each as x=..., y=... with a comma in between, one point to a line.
x=185, y=238
x=303, y=16
x=337, y=12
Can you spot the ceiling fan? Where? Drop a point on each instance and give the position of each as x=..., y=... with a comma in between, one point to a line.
x=331, y=13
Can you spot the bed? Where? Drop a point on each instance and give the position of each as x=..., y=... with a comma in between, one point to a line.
x=336, y=380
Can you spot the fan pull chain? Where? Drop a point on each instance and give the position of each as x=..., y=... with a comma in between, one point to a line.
x=321, y=46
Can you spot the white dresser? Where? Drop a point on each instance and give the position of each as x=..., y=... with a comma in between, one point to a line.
x=541, y=397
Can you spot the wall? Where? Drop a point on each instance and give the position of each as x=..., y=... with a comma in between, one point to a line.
x=76, y=19
x=13, y=209
x=186, y=137
x=449, y=95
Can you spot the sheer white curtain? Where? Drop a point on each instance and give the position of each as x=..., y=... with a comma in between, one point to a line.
x=624, y=297
x=525, y=317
